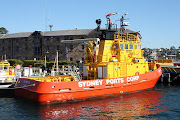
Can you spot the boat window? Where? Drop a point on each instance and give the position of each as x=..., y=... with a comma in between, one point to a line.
x=121, y=45
x=135, y=46
x=131, y=46
x=126, y=46
x=5, y=67
x=1, y=67
x=139, y=46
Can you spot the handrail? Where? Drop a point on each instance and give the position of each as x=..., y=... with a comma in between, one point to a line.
x=126, y=37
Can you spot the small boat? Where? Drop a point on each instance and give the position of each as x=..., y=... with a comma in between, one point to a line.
x=7, y=76
x=114, y=65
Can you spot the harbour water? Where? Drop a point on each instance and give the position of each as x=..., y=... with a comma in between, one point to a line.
x=161, y=102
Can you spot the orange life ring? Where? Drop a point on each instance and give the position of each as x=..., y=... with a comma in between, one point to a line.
x=137, y=73
x=130, y=55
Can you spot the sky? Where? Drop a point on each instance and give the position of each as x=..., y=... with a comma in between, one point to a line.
x=157, y=20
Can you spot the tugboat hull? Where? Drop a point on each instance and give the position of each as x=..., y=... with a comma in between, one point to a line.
x=48, y=92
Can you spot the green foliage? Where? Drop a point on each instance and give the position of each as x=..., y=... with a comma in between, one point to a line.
x=50, y=64
x=34, y=63
x=3, y=30
x=14, y=62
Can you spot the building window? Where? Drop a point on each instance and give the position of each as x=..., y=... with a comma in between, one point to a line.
x=82, y=59
x=82, y=47
x=2, y=48
x=57, y=47
x=71, y=59
x=26, y=48
x=9, y=48
x=36, y=40
x=17, y=48
x=47, y=48
x=71, y=47
x=37, y=50
x=71, y=38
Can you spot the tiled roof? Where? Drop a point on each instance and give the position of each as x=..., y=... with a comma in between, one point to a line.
x=48, y=33
x=67, y=32
x=54, y=33
x=16, y=35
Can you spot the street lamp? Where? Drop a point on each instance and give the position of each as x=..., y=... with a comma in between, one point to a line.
x=45, y=62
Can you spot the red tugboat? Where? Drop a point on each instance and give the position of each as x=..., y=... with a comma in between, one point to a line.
x=114, y=65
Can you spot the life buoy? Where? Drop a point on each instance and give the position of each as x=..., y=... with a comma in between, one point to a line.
x=130, y=55
x=137, y=73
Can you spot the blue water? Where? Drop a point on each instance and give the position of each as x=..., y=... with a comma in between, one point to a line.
x=161, y=102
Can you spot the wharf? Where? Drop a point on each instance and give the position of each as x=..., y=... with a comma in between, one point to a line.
x=171, y=73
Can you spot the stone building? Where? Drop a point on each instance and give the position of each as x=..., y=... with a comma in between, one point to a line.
x=38, y=44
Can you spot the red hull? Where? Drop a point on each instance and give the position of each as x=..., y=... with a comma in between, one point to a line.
x=46, y=92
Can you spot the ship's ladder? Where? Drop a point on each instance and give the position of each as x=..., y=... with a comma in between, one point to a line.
x=123, y=69
x=71, y=70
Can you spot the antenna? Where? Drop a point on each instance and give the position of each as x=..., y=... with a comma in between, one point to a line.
x=122, y=23
x=109, y=20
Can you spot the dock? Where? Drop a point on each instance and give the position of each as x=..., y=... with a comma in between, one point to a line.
x=171, y=73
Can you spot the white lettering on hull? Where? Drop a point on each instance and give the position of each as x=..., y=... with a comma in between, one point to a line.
x=90, y=83
x=114, y=81
x=133, y=78
x=108, y=81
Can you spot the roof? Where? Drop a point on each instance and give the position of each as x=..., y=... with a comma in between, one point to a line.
x=54, y=33
x=16, y=35
x=49, y=33
x=67, y=32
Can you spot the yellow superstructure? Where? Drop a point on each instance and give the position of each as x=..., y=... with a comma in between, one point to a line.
x=119, y=57
x=4, y=66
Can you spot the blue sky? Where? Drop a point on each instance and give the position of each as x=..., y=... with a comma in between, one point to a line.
x=157, y=20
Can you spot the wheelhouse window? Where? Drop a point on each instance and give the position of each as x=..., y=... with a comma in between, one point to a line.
x=139, y=46
x=135, y=46
x=131, y=46
x=122, y=46
x=126, y=46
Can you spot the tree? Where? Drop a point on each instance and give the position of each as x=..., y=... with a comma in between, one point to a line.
x=3, y=30
x=172, y=48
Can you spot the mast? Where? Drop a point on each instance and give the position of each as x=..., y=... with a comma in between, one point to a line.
x=109, y=24
x=57, y=70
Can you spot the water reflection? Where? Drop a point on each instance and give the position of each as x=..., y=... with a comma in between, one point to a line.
x=130, y=106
